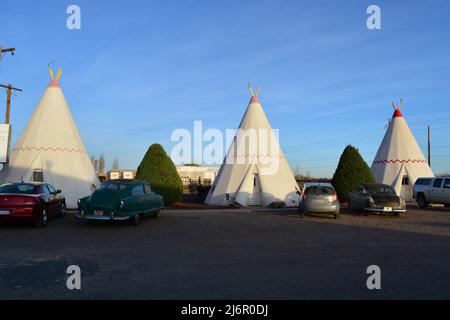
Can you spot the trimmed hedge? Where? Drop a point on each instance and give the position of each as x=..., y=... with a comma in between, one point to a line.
x=158, y=169
x=352, y=170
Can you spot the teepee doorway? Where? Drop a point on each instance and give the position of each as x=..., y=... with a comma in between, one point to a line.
x=406, y=190
x=254, y=197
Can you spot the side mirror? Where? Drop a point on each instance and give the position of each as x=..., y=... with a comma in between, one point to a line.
x=58, y=191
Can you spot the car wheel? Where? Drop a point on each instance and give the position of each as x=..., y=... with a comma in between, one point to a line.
x=422, y=201
x=157, y=214
x=136, y=220
x=42, y=220
x=62, y=210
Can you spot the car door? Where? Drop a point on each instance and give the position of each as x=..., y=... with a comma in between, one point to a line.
x=446, y=191
x=436, y=191
x=57, y=199
x=150, y=199
x=50, y=200
x=359, y=196
x=138, y=193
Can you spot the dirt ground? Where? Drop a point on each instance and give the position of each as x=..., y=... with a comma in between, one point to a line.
x=232, y=254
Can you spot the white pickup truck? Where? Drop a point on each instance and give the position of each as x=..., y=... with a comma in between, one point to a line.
x=432, y=190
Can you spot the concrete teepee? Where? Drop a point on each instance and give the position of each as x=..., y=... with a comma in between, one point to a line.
x=50, y=149
x=399, y=161
x=255, y=171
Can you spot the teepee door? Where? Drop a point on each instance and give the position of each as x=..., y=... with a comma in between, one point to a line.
x=254, y=197
x=406, y=190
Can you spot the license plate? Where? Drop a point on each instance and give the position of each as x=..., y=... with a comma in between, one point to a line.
x=98, y=212
x=4, y=213
x=387, y=209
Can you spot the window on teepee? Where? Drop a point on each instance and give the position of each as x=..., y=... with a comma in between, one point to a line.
x=405, y=181
x=38, y=175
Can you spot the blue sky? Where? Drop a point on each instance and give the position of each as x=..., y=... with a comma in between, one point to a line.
x=137, y=70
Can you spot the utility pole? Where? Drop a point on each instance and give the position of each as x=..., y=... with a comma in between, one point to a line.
x=9, y=89
x=429, y=147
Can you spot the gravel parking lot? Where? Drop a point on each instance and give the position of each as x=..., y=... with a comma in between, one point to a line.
x=231, y=254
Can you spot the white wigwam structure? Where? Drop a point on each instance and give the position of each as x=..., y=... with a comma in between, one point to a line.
x=399, y=161
x=50, y=149
x=255, y=171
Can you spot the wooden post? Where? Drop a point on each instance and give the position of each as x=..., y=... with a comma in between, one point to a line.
x=429, y=147
x=9, y=88
x=8, y=104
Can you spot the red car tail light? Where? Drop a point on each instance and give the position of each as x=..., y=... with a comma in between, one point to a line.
x=335, y=197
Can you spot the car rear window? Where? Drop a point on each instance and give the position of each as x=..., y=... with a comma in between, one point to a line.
x=424, y=181
x=19, y=189
x=318, y=191
x=382, y=190
x=113, y=186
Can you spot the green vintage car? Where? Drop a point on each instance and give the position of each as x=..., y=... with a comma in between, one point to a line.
x=120, y=200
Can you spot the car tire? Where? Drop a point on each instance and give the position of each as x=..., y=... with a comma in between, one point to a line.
x=422, y=201
x=63, y=210
x=42, y=220
x=157, y=214
x=136, y=220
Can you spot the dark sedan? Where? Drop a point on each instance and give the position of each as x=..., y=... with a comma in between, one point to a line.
x=30, y=202
x=374, y=197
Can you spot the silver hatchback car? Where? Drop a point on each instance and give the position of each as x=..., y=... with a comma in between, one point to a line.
x=318, y=197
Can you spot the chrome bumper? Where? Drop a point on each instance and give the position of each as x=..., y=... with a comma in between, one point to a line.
x=385, y=210
x=101, y=218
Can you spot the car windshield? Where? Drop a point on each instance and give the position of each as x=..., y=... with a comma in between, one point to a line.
x=319, y=191
x=115, y=186
x=22, y=188
x=381, y=190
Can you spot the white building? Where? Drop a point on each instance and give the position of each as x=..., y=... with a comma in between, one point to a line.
x=205, y=175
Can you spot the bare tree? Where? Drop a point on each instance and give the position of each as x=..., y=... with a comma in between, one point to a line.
x=115, y=165
x=101, y=164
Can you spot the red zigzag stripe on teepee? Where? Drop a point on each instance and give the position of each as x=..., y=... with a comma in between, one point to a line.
x=57, y=149
x=400, y=161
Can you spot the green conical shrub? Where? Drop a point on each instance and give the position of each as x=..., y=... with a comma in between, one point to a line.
x=158, y=169
x=351, y=171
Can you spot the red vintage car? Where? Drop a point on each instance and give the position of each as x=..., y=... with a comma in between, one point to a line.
x=30, y=202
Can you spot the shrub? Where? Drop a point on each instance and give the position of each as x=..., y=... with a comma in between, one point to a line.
x=158, y=169
x=351, y=171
